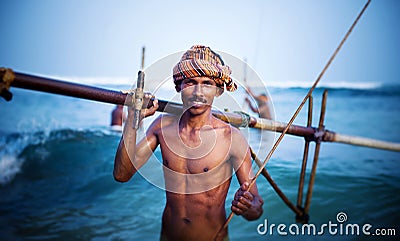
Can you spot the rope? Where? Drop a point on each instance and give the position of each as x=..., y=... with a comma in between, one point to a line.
x=245, y=119
x=7, y=77
x=253, y=181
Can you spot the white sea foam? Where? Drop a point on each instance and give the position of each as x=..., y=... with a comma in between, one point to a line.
x=11, y=146
x=10, y=165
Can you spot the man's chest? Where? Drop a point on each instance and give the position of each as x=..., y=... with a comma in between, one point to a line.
x=189, y=157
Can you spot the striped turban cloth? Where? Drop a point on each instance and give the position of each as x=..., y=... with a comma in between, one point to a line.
x=202, y=61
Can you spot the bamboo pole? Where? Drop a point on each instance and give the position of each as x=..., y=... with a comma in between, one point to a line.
x=43, y=84
x=271, y=181
x=53, y=86
x=360, y=141
x=316, y=155
x=143, y=55
x=305, y=156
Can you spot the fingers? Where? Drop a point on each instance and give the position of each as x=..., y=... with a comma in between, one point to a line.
x=151, y=110
x=241, y=206
x=146, y=111
x=243, y=200
x=155, y=104
x=242, y=203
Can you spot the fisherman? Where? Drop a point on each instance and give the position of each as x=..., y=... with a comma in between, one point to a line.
x=200, y=153
x=262, y=107
x=118, y=117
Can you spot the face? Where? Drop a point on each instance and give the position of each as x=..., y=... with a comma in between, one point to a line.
x=198, y=94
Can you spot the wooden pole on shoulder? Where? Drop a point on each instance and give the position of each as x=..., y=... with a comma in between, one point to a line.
x=43, y=84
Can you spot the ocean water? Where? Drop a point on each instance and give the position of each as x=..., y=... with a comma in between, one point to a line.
x=56, y=161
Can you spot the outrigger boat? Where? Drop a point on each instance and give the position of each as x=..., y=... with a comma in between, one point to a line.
x=318, y=134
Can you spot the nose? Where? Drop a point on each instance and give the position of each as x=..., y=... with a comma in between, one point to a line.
x=198, y=90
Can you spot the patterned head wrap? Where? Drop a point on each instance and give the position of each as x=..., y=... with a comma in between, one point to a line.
x=202, y=61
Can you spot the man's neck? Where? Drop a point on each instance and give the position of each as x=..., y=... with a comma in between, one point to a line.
x=196, y=122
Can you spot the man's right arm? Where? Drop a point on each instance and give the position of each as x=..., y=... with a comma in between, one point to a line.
x=250, y=92
x=254, y=109
x=129, y=156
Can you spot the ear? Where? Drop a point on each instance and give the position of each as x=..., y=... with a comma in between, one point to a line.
x=178, y=86
x=220, y=91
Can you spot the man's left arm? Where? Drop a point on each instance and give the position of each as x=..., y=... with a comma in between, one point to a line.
x=247, y=203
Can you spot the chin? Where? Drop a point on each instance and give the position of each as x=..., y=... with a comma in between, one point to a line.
x=197, y=110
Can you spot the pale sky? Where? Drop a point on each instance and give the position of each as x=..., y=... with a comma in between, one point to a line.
x=289, y=40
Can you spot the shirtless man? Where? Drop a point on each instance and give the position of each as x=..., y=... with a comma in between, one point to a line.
x=118, y=118
x=262, y=108
x=199, y=151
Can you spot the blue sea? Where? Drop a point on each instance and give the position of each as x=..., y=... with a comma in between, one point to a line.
x=57, y=153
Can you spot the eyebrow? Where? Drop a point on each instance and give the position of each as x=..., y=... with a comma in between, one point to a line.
x=208, y=80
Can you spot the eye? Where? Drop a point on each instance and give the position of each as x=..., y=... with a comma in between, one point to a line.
x=209, y=83
x=188, y=82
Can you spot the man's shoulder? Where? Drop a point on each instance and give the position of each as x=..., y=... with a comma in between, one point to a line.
x=220, y=124
x=163, y=121
x=232, y=131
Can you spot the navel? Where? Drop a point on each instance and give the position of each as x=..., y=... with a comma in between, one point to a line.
x=187, y=220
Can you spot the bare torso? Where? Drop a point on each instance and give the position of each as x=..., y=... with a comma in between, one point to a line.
x=199, y=154
x=197, y=173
